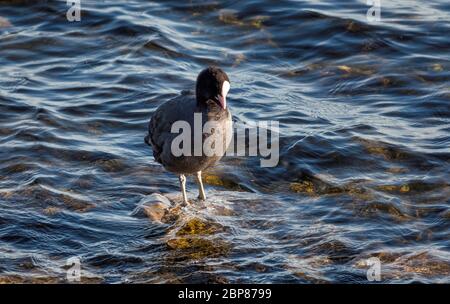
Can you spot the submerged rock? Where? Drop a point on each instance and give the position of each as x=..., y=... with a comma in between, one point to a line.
x=195, y=239
x=46, y=198
x=355, y=71
x=192, y=247
x=437, y=67
x=43, y=279
x=4, y=22
x=216, y=180
x=387, y=151
x=230, y=17
x=75, y=204
x=400, y=265
x=197, y=226
x=302, y=187
x=382, y=208
x=51, y=210
x=110, y=165
x=239, y=58
x=394, y=188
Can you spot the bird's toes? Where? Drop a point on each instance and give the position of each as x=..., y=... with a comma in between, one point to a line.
x=185, y=204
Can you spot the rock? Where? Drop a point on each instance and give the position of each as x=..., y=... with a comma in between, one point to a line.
x=110, y=165
x=192, y=247
x=230, y=17
x=302, y=187
x=196, y=226
x=4, y=22
x=154, y=207
x=355, y=71
x=437, y=67
x=394, y=188
x=216, y=180
x=51, y=210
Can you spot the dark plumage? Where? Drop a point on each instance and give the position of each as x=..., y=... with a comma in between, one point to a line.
x=210, y=102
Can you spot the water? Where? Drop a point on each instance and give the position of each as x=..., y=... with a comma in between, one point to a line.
x=365, y=136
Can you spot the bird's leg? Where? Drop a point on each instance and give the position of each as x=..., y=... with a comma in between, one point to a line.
x=201, y=190
x=183, y=188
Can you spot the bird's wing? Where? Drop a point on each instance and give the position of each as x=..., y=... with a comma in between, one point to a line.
x=162, y=119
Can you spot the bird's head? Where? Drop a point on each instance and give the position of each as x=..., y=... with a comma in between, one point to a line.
x=212, y=84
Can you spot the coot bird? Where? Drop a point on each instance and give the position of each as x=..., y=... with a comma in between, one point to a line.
x=209, y=119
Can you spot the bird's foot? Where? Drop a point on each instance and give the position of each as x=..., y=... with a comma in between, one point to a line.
x=185, y=203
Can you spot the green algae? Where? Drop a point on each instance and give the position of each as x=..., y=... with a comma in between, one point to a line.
x=192, y=247
x=197, y=226
x=317, y=187
x=303, y=187
x=215, y=180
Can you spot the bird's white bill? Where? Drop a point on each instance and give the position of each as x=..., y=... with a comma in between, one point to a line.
x=223, y=97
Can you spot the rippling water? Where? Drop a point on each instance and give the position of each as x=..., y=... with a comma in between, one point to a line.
x=365, y=141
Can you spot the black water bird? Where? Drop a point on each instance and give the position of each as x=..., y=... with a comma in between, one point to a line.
x=209, y=136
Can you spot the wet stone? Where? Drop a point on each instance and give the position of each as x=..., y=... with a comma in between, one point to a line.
x=437, y=67
x=302, y=187
x=394, y=188
x=374, y=208
x=51, y=210
x=192, y=247
x=110, y=165
x=155, y=207
x=197, y=226
x=216, y=180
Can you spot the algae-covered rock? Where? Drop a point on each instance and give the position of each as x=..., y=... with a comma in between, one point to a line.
x=110, y=165
x=258, y=21
x=387, y=151
x=194, y=240
x=396, y=170
x=353, y=26
x=302, y=187
x=197, y=226
x=437, y=67
x=231, y=17
x=197, y=247
x=374, y=208
x=356, y=71
x=239, y=58
x=11, y=279
x=398, y=265
x=15, y=279
x=394, y=188
x=59, y=198
x=44, y=279
x=318, y=186
x=344, y=68
x=75, y=204
x=216, y=180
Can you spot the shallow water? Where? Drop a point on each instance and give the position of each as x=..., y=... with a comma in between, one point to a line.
x=365, y=136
